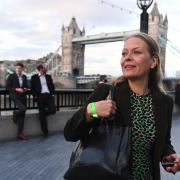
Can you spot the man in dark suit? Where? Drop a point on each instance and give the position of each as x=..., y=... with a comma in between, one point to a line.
x=17, y=86
x=177, y=94
x=103, y=79
x=43, y=89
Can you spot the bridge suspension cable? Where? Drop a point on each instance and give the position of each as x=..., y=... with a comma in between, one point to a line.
x=53, y=59
x=54, y=55
x=173, y=48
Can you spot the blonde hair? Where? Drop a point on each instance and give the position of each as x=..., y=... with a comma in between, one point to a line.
x=155, y=73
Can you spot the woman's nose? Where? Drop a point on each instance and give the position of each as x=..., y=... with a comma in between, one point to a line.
x=128, y=56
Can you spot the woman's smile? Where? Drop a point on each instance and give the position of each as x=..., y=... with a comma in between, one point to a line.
x=129, y=67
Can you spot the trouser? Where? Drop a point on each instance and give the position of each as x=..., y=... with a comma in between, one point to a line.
x=46, y=107
x=20, y=101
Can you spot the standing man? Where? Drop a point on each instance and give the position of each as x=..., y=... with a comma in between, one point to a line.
x=103, y=79
x=17, y=86
x=43, y=89
x=177, y=94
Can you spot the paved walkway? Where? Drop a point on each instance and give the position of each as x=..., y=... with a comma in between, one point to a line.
x=47, y=159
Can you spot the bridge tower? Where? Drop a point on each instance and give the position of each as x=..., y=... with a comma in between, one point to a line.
x=158, y=26
x=72, y=63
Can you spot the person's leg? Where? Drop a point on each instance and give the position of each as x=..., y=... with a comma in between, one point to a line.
x=42, y=115
x=20, y=123
x=20, y=101
x=50, y=105
x=21, y=114
x=14, y=98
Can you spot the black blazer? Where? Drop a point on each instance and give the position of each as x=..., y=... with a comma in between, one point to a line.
x=36, y=84
x=13, y=82
x=177, y=94
x=77, y=127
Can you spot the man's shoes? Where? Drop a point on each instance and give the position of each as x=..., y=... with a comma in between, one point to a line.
x=14, y=118
x=22, y=137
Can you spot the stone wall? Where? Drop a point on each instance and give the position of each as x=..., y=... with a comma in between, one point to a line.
x=56, y=123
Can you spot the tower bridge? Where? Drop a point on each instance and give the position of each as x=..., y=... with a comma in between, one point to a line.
x=67, y=62
x=102, y=38
x=74, y=41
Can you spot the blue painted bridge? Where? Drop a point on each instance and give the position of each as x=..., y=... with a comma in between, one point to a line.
x=47, y=159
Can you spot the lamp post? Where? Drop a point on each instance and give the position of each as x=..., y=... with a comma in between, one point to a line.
x=144, y=5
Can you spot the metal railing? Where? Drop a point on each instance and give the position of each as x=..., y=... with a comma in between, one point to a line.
x=63, y=98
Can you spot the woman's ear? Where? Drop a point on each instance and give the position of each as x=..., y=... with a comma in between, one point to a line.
x=154, y=62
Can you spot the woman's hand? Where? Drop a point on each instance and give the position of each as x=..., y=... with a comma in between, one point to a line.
x=172, y=158
x=103, y=108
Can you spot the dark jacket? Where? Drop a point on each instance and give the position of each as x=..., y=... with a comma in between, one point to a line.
x=13, y=82
x=177, y=95
x=77, y=127
x=36, y=84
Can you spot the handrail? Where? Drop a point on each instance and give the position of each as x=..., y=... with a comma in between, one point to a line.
x=62, y=97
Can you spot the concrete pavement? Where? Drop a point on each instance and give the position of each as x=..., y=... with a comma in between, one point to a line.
x=48, y=159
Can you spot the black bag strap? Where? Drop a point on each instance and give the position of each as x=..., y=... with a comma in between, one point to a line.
x=111, y=92
x=110, y=96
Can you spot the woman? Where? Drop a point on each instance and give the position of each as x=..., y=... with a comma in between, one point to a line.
x=140, y=103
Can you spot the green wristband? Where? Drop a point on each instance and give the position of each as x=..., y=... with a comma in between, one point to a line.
x=93, y=109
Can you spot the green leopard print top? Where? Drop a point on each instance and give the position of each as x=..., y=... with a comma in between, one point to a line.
x=143, y=136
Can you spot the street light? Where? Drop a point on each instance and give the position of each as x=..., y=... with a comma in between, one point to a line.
x=144, y=5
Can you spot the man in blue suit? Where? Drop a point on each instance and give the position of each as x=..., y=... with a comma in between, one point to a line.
x=17, y=86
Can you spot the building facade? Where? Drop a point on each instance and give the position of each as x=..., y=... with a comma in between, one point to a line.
x=158, y=29
x=72, y=63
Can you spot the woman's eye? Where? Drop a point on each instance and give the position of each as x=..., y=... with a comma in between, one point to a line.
x=137, y=52
x=124, y=54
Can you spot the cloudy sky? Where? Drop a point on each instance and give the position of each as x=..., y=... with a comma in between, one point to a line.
x=32, y=28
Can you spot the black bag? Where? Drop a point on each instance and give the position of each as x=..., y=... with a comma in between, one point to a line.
x=103, y=155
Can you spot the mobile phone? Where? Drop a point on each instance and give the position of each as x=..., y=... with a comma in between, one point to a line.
x=169, y=164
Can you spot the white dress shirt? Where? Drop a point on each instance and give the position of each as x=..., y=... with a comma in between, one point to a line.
x=20, y=80
x=44, y=87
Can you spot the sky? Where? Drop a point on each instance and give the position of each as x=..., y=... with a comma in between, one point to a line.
x=32, y=29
